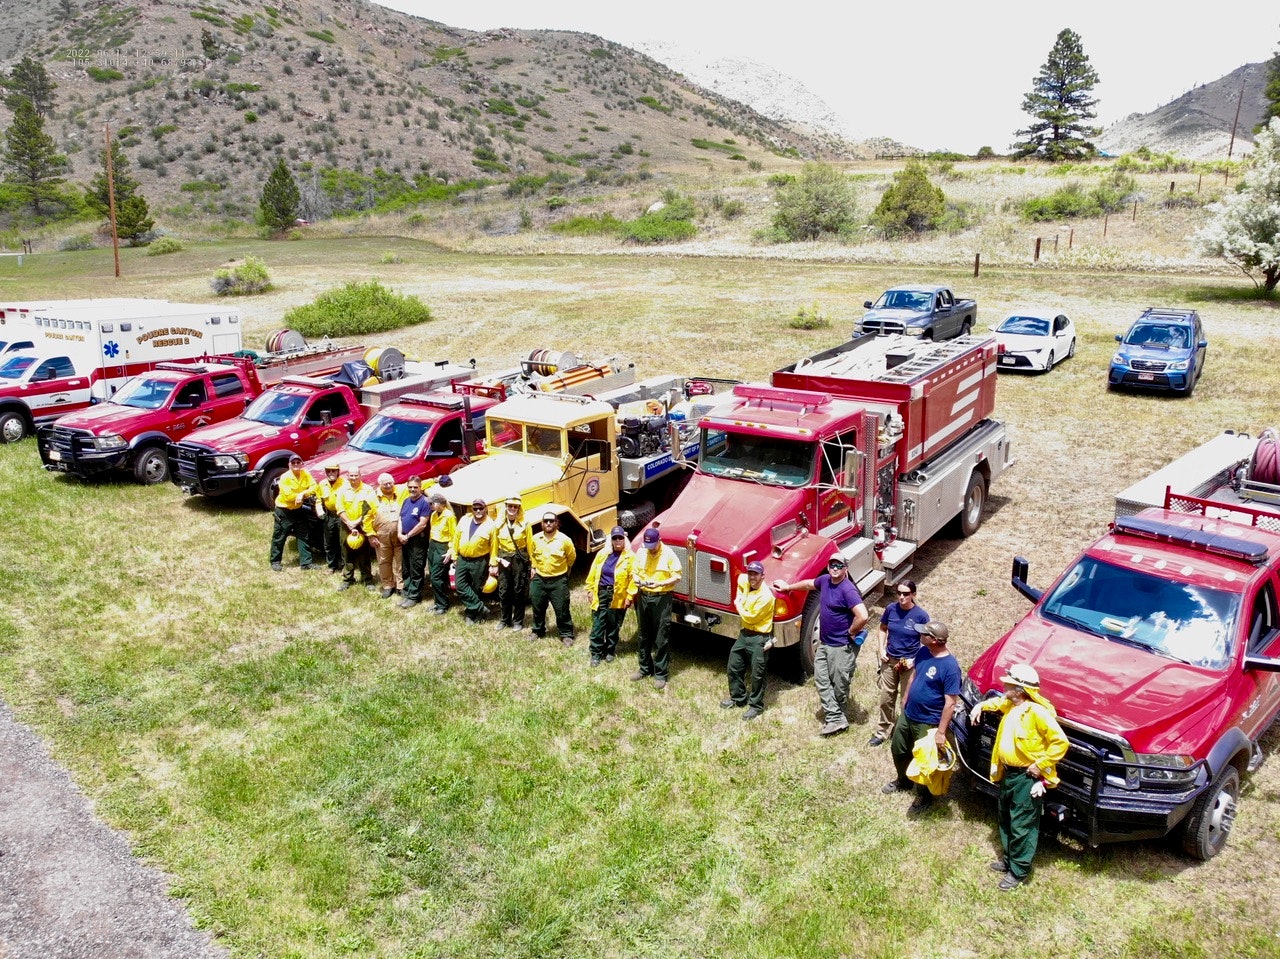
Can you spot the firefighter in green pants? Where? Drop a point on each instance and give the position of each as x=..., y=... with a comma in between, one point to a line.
x=475, y=558
x=443, y=524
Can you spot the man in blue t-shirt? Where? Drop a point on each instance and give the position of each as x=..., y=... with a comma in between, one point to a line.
x=841, y=616
x=931, y=699
x=899, y=643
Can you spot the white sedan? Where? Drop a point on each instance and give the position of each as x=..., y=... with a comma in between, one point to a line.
x=1031, y=341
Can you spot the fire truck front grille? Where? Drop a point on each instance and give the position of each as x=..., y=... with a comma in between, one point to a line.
x=64, y=440
x=713, y=587
x=682, y=554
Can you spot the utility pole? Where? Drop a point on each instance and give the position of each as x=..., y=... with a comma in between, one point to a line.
x=111, y=200
x=1234, y=123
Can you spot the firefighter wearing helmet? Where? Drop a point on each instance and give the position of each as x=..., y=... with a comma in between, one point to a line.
x=1028, y=747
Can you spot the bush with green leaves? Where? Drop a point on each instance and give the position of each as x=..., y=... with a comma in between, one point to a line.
x=809, y=319
x=670, y=223
x=1073, y=200
x=819, y=202
x=81, y=241
x=166, y=244
x=911, y=204
x=598, y=225
x=357, y=309
x=244, y=279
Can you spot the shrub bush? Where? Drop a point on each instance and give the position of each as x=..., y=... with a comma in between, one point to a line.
x=911, y=204
x=670, y=224
x=1072, y=200
x=597, y=225
x=809, y=319
x=165, y=244
x=357, y=309
x=248, y=278
x=81, y=241
x=820, y=202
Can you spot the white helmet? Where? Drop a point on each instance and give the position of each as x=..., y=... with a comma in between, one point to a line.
x=1020, y=674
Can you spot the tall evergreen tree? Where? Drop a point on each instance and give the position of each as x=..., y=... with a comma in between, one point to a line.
x=29, y=80
x=133, y=219
x=1271, y=93
x=1061, y=105
x=280, y=199
x=31, y=160
x=125, y=184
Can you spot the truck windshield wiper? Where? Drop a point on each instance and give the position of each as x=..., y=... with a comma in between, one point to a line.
x=1077, y=623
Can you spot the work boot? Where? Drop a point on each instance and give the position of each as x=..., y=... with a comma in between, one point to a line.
x=729, y=704
x=277, y=567
x=831, y=729
x=751, y=713
x=1010, y=882
x=896, y=786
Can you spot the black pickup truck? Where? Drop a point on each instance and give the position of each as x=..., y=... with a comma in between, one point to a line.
x=932, y=312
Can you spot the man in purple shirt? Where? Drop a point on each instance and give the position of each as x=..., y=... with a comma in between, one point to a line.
x=841, y=616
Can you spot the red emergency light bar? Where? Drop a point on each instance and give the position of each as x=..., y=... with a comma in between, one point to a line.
x=805, y=399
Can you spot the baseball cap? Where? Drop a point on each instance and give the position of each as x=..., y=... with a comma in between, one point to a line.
x=295, y=458
x=479, y=502
x=513, y=501
x=616, y=532
x=835, y=562
x=935, y=629
x=652, y=537
x=547, y=516
x=754, y=567
x=332, y=467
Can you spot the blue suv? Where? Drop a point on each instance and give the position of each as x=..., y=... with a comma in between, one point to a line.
x=1163, y=350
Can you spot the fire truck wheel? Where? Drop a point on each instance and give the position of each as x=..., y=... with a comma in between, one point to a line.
x=975, y=499
x=268, y=488
x=12, y=427
x=807, y=648
x=1204, y=832
x=151, y=466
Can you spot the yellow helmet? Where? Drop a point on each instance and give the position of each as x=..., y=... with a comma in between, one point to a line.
x=355, y=540
x=491, y=584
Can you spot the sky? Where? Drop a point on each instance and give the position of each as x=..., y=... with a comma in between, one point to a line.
x=927, y=73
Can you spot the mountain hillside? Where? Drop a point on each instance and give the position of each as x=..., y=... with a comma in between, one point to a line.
x=1198, y=123
x=205, y=96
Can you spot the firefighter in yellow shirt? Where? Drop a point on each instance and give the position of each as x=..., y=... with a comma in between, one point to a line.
x=355, y=501
x=551, y=554
x=608, y=582
x=1029, y=745
x=513, y=565
x=330, y=535
x=439, y=543
x=294, y=514
x=754, y=603
x=475, y=556
x=654, y=574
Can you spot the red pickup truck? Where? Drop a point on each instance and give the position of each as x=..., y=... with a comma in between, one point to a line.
x=1159, y=648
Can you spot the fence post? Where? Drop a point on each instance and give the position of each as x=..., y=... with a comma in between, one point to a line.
x=977, y=263
x=1071, y=238
x=1199, y=181
x=1036, y=257
x=1105, y=218
x=1135, y=211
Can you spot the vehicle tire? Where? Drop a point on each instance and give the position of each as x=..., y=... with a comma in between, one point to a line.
x=12, y=427
x=1205, y=830
x=807, y=648
x=1191, y=385
x=1049, y=366
x=1071, y=350
x=267, y=487
x=151, y=466
x=975, y=500
x=966, y=327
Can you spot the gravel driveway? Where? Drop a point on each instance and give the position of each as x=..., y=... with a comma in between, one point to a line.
x=69, y=886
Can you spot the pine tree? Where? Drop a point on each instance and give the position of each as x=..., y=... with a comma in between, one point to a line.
x=1061, y=105
x=29, y=81
x=133, y=219
x=912, y=204
x=280, y=199
x=125, y=184
x=31, y=161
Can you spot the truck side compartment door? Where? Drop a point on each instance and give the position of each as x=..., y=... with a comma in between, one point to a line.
x=330, y=418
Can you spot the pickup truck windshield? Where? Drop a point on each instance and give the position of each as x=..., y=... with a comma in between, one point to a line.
x=14, y=369
x=1190, y=623
x=275, y=409
x=904, y=300
x=1024, y=325
x=765, y=459
x=525, y=437
x=386, y=436
x=145, y=393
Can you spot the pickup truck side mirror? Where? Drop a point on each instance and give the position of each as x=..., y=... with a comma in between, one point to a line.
x=1119, y=338
x=1202, y=345
x=866, y=305
x=455, y=448
x=351, y=428
x=1019, y=579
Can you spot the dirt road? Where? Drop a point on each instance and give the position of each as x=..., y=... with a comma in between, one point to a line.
x=70, y=888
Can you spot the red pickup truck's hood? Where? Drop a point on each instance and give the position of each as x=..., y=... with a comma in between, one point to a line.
x=237, y=435
x=1109, y=686
x=106, y=418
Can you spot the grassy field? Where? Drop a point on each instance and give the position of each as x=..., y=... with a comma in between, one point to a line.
x=324, y=774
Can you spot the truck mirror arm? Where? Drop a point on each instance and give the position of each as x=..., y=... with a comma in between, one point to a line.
x=1019, y=580
x=1263, y=664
